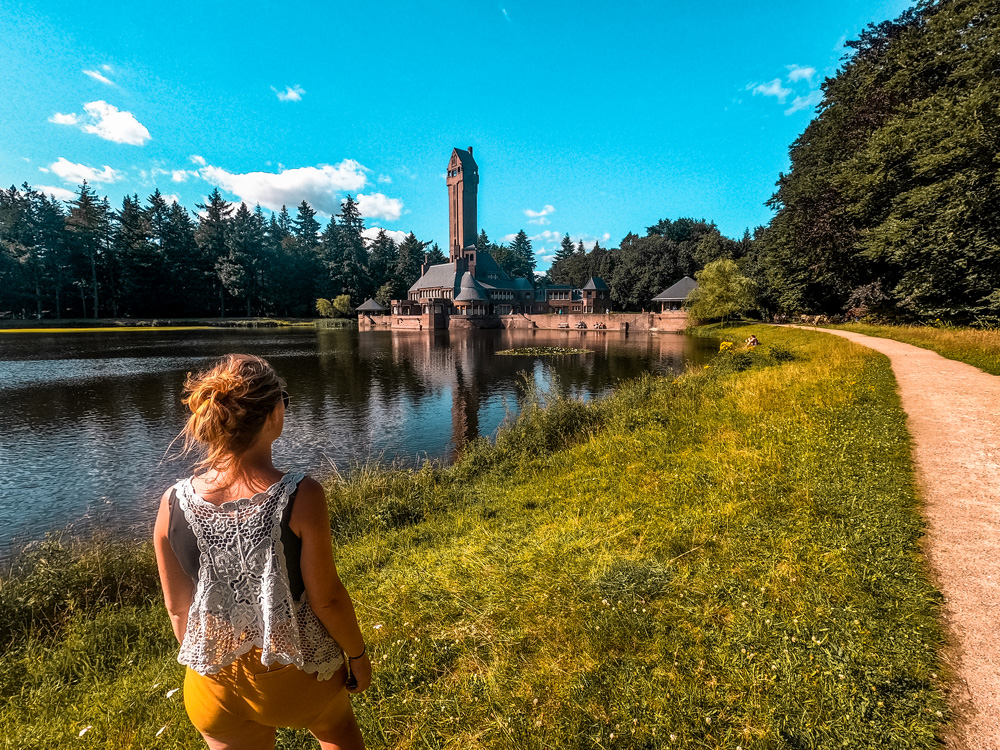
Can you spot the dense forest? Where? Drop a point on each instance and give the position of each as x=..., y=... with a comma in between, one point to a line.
x=155, y=260
x=889, y=209
x=892, y=203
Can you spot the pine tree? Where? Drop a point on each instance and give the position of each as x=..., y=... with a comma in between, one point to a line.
x=305, y=226
x=565, y=250
x=211, y=237
x=133, y=266
x=353, y=271
x=88, y=224
x=523, y=256
x=411, y=257
x=384, y=254
x=435, y=256
x=238, y=269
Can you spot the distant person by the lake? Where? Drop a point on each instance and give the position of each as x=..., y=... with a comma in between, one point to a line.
x=267, y=630
x=751, y=342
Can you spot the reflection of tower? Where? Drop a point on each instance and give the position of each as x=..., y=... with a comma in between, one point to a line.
x=463, y=190
x=464, y=410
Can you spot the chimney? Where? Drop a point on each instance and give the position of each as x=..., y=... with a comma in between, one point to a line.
x=426, y=265
x=470, y=150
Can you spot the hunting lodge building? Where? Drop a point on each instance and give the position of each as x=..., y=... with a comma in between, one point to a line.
x=472, y=284
x=471, y=290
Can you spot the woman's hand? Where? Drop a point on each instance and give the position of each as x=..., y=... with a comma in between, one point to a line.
x=361, y=671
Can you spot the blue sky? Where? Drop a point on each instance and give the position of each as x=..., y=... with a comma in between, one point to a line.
x=588, y=118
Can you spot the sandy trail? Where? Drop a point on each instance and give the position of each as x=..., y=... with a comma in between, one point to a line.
x=953, y=413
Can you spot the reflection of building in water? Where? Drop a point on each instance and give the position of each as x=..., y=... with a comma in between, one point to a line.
x=464, y=410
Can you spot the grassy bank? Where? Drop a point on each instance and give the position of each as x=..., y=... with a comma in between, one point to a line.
x=725, y=559
x=976, y=347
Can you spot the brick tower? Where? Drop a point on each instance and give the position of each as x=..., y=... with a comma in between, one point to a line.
x=463, y=191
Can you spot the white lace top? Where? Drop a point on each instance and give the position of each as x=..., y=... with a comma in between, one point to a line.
x=243, y=598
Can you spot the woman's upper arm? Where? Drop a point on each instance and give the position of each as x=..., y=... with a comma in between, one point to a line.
x=177, y=586
x=310, y=521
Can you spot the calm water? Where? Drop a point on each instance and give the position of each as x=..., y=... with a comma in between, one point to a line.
x=85, y=418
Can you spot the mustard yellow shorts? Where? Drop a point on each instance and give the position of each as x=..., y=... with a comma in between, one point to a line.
x=246, y=691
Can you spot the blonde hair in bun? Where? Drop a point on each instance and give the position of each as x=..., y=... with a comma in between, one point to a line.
x=229, y=403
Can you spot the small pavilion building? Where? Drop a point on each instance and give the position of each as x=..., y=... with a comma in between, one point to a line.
x=674, y=296
x=371, y=307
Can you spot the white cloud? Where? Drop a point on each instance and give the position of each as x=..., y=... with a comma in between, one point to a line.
x=396, y=234
x=98, y=77
x=508, y=237
x=106, y=68
x=773, y=88
x=539, y=217
x=385, y=179
x=180, y=175
x=172, y=198
x=108, y=122
x=606, y=236
x=546, y=236
x=77, y=173
x=200, y=160
x=317, y=185
x=59, y=193
x=799, y=73
x=805, y=102
x=290, y=94
x=377, y=206
x=60, y=119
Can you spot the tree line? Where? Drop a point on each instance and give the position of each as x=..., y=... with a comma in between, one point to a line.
x=155, y=259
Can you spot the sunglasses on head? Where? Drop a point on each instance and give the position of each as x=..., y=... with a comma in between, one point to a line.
x=285, y=398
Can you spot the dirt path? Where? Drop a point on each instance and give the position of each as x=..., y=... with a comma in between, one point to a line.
x=953, y=413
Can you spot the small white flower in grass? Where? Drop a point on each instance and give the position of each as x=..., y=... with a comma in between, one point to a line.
x=377, y=627
x=84, y=730
x=170, y=693
x=938, y=713
x=708, y=719
x=162, y=730
x=674, y=736
x=156, y=685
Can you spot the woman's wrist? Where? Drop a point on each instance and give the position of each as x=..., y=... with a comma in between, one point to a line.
x=364, y=650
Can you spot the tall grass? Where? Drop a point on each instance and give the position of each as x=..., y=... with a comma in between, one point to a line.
x=724, y=559
x=975, y=346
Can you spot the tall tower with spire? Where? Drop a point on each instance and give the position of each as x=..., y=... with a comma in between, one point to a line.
x=463, y=193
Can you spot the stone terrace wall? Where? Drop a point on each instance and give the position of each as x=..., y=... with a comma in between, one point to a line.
x=670, y=321
x=673, y=321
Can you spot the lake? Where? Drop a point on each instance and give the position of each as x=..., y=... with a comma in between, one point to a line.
x=86, y=417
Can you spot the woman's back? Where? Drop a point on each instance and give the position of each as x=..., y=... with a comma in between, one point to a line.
x=246, y=563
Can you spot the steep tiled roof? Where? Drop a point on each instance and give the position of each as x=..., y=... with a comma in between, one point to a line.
x=472, y=291
x=596, y=283
x=440, y=276
x=678, y=292
x=466, y=158
x=370, y=305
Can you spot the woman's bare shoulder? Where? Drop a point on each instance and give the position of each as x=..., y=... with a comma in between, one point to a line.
x=310, y=503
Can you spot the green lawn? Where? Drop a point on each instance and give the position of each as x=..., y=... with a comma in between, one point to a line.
x=725, y=559
x=976, y=347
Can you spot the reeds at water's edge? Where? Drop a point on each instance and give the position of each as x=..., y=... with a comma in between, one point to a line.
x=728, y=558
